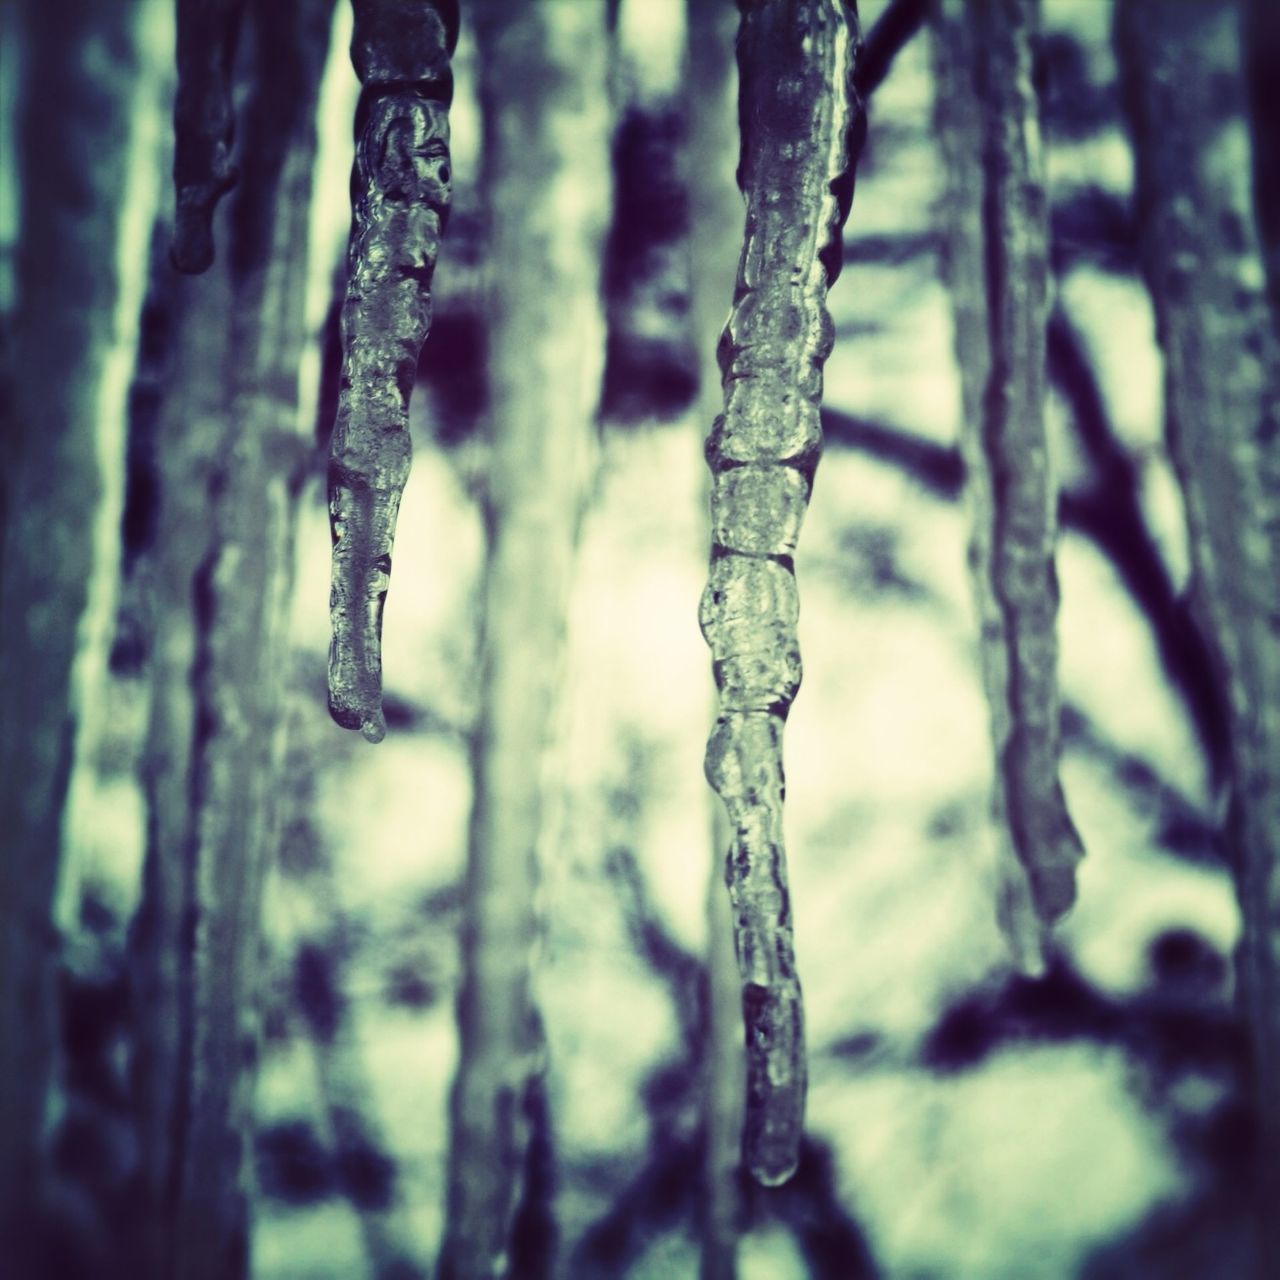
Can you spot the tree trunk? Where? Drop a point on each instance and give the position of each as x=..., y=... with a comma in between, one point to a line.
x=77, y=120
x=543, y=95
x=1181, y=79
x=229, y=458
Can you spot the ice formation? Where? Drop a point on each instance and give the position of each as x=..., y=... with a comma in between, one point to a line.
x=400, y=192
x=801, y=128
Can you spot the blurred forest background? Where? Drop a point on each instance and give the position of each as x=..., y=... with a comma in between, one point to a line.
x=233, y=935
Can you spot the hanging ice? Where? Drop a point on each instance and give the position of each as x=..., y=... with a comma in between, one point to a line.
x=997, y=261
x=400, y=202
x=801, y=130
x=204, y=125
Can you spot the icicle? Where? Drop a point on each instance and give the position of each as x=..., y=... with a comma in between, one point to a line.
x=227, y=449
x=998, y=272
x=400, y=203
x=801, y=128
x=1020, y=573
x=204, y=125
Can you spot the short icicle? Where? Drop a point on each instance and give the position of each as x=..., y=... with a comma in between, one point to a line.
x=801, y=127
x=399, y=204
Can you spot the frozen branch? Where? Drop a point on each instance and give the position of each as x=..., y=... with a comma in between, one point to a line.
x=801, y=130
x=400, y=192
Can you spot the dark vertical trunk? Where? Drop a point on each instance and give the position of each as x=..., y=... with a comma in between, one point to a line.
x=715, y=232
x=543, y=95
x=75, y=119
x=229, y=455
x=1181, y=77
x=997, y=270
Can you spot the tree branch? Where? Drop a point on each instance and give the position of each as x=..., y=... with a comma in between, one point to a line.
x=892, y=32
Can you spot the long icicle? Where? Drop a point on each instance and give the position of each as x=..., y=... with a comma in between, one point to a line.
x=228, y=453
x=204, y=125
x=801, y=128
x=997, y=267
x=400, y=191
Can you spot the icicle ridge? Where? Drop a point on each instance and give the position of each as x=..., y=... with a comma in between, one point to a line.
x=400, y=194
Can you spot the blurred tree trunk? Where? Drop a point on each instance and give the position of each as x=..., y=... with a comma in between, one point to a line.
x=229, y=462
x=1181, y=79
x=717, y=216
x=997, y=268
x=77, y=117
x=542, y=70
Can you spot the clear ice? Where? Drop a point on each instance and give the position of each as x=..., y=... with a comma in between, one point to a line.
x=400, y=193
x=801, y=129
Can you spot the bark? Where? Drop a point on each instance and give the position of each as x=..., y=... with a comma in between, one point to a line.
x=997, y=269
x=230, y=456
x=63, y=439
x=400, y=194
x=715, y=229
x=543, y=94
x=1180, y=69
x=801, y=128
